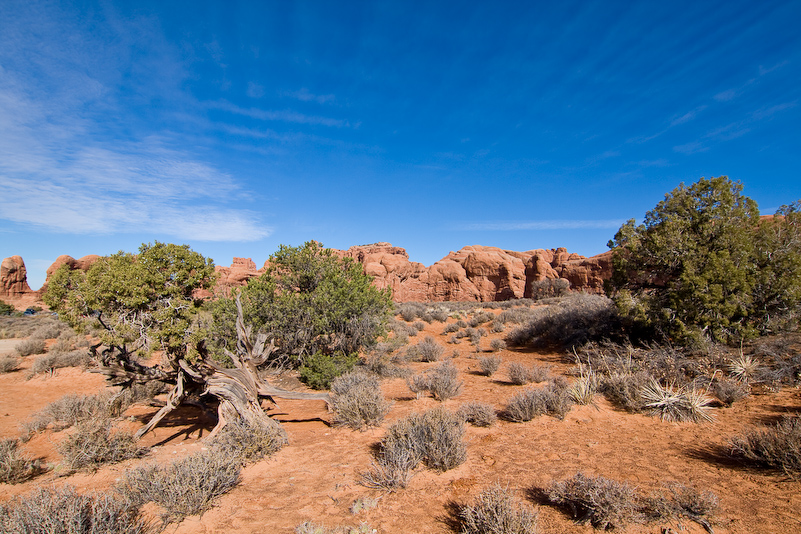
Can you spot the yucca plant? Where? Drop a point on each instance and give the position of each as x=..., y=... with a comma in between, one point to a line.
x=743, y=367
x=679, y=404
x=583, y=390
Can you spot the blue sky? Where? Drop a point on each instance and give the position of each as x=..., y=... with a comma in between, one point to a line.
x=238, y=126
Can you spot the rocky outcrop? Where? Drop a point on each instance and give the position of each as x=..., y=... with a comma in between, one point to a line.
x=478, y=273
x=13, y=278
x=474, y=273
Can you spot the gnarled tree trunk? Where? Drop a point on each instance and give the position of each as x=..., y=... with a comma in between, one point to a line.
x=238, y=390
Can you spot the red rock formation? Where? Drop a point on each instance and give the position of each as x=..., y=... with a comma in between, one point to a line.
x=13, y=278
x=474, y=273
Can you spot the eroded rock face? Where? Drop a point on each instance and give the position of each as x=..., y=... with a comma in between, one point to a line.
x=14, y=278
x=474, y=273
x=478, y=273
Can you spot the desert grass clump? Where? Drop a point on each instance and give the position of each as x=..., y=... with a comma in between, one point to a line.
x=308, y=527
x=362, y=504
x=358, y=401
x=495, y=511
x=30, y=346
x=583, y=390
x=604, y=503
x=677, y=404
x=185, y=487
x=489, y=364
x=14, y=467
x=777, y=446
x=94, y=443
x=250, y=439
x=477, y=413
x=9, y=363
x=64, y=511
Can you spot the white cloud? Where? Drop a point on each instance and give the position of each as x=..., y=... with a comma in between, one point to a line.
x=65, y=167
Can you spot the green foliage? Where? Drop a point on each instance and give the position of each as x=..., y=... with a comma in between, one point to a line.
x=6, y=309
x=319, y=370
x=138, y=300
x=702, y=263
x=311, y=301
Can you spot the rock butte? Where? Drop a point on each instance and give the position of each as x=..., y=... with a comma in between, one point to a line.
x=474, y=273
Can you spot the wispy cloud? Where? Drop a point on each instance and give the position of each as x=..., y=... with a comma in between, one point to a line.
x=565, y=224
x=687, y=117
x=272, y=115
x=66, y=167
x=304, y=95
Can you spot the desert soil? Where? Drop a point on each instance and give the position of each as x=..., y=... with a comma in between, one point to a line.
x=316, y=476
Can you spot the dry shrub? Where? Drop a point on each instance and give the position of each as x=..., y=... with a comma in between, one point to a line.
x=442, y=382
x=610, y=504
x=14, y=467
x=496, y=511
x=64, y=511
x=30, y=346
x=603, y=502
x=777, y=446
x=729, y=391
x=49, y=330
x=358, y=401
x=489, y=364
x=554, y=399
x=497, y=344
x=481, y=318
x=625, y=390
x=520, y=374
x=677, y=404
x=428, y=350
x=574, y=321
x=185, y=487
x=69, y=410
x=434, y=437
x=93, y=443
x=9, y=363
x=450, y=328
x=477, y=413
x=308, y=527
x=48, y=363
x=250, y=440
x=497, y=327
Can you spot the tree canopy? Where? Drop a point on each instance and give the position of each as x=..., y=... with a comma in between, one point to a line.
x=310, y=301
x=135, y=302
x=704, y=261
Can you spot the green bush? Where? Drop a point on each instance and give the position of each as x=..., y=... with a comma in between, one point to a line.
x=703, y=264
x=6, y=309
x=319, y=370
x=312, y=302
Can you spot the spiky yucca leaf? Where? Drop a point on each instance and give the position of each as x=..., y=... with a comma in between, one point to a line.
x=682, y=404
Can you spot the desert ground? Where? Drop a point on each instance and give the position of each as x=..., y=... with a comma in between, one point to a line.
x=316, y=477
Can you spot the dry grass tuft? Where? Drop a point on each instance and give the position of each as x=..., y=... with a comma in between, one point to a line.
x=677, y=405
x=14, y=467
x=777, y=446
